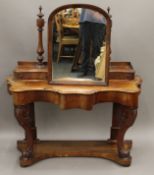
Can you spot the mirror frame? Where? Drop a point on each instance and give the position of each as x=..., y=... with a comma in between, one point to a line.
x=107, y=40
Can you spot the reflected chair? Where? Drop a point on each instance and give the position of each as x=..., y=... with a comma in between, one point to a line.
x=64, y=40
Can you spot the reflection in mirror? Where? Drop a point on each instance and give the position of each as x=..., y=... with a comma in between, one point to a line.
x=79, y=45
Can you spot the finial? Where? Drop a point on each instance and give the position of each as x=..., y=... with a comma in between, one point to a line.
x=40, y=8
x=108, y=10
x=40, y=15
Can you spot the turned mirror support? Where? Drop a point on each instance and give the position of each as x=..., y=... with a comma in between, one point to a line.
x=40, y=24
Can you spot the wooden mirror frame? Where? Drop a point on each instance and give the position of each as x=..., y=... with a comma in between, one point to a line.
x=107, y=40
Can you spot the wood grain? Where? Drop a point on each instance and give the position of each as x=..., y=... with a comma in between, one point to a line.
x=124, y=92
x=50, y=149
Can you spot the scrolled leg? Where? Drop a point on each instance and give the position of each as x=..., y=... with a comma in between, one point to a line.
x=126, y=120
x=123, y=118
x=25, y=116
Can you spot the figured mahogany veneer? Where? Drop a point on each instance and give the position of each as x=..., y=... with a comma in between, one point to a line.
x=30, y=84
x=50, y=149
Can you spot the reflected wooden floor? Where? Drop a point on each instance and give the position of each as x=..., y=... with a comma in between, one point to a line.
x=62, y=71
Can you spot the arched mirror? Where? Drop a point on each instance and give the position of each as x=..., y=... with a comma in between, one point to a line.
x=79, y=45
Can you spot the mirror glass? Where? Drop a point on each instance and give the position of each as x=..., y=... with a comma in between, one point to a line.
x=79, y=47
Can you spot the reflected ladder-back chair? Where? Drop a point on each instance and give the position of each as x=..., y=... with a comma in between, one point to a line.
x=64, y=40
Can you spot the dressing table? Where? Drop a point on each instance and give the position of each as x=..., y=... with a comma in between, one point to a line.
x=34, y=81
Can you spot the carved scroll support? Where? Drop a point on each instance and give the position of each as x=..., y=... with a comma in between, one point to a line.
x=25, y=116
x=40, y=24
x=123, y=119
x=127, y=119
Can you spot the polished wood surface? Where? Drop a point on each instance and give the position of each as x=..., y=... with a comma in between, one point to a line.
x=123, y=93
x=71, y=26
x=50, y=149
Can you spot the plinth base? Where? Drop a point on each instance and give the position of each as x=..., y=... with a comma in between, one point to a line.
x=49, y=149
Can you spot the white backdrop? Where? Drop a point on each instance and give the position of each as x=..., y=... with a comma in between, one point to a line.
x=132, y=40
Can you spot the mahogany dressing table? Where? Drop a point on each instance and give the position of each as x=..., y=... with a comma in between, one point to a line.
x=30, y=83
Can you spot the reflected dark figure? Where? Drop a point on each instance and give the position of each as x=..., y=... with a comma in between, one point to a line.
x=92, y=30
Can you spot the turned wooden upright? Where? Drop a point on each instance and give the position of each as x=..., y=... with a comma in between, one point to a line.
x=29, y=84
x=40, y=24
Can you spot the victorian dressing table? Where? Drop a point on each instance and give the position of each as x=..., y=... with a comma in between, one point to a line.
x=31, y=82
